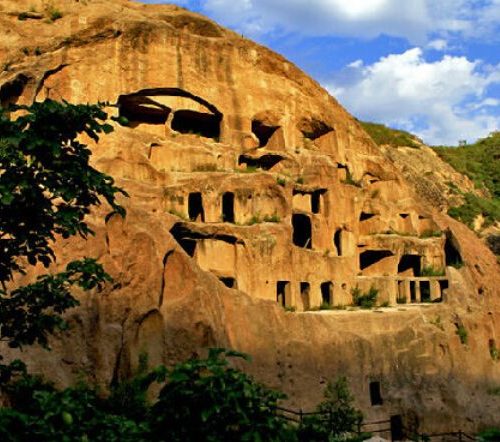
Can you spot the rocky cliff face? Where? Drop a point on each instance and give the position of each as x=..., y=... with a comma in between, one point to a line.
x=254, y=193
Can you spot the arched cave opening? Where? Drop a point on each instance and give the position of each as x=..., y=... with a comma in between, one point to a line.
x=12, y=90
x=302, y=230
x=195, y=207
x=313, y=128
x=410, y=265
x=371, y=257
x=200, y=123
x=327, y=292
x=139, y=109
x=263, y=132
x=452, y=255
x=228, y=207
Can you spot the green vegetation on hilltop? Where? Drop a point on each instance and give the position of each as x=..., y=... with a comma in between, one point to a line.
x=481, y=163
x=385, y=135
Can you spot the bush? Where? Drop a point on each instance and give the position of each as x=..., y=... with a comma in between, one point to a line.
x=364, y=300
x=489, y=435
x=461, y=332
x=385, y=135
x=432, y=271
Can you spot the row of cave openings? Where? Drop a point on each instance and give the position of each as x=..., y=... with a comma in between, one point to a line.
x=301, y=223
x=409, y=264
x=284, y=297
x=145, y=107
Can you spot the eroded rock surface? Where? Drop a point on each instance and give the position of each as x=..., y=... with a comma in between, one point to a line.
x=251, y=189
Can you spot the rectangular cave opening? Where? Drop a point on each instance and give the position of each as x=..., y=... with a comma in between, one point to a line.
x=195, y=207
x=413, y=291
x=425, y=291
x=443, y=285
x=397, y=428
x=199, y=123
x=410, y=265
x=228, y=207
x=305, y=289
x=327, y=293
x=316, y=201
x=371, y=257
x=452, y=255
x=302, y=230
x=283, y=293
x=375, y=394
x=229, y=281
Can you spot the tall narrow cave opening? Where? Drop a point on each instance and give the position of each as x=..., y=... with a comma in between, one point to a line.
x=337, y=241
x=228, y=207
x=283, y=293
x=452, y=255
x=195, y=207
x=263, y=132
x=229, y=282
x=413, y=291
x=425, y=291
x=139, y=109
x=302, y=230
x=375, y=393
x=316, y=201
x=203, y=124
x=443, y=285
x=410, y=265
x=305, y=289
x=371, y=257
x=327, y=292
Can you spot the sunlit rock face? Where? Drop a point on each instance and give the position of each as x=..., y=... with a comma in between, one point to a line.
x=254, y=193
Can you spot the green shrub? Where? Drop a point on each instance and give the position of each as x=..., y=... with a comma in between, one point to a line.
x=364, y=300
x=271, y=218
x=281, y=181
x=489, y=435
x=385, y=135
x=461, y=332
x=402, y=300
x=432, y=271
x=325, y=306
x=431, y=234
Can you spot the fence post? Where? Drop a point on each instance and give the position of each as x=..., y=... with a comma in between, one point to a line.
x=459, y=435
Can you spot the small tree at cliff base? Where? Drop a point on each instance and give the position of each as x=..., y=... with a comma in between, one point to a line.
x=47, y=187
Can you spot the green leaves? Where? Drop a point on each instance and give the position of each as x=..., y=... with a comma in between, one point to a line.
x=47, y=185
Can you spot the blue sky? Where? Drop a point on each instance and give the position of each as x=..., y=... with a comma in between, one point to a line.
x=428, y=66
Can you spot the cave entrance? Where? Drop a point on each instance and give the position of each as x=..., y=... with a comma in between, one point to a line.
x=265, y=162
x=371, y=257
x=283, y=293
x=452, y=255
x=12, y=90
x=189, y=245
x=327, y=293
x=302, y=230
x=313, y=128
x=410, y=265
x=413, y=291
x=337, y=241
x=263, y=132
x=138, y=109
x=366, y=216
x=229, y=282
x=228, y=207
x=316, y=201
x=206, y=125
x=443, y=285
x=425, y=291
x=195, y=207
x=375, y=394
x=305, y=289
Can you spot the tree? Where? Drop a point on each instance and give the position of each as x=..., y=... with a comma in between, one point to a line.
x=208, y=400
x=336, y=418
x=47, y=187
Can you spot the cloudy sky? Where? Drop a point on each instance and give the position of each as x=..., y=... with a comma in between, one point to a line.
x=428, y=66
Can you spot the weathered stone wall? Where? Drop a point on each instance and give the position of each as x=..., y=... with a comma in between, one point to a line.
x=243, y=171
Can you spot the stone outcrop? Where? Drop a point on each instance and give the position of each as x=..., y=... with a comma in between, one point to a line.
x=253, y=192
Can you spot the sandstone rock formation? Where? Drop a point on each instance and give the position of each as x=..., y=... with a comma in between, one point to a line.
x=251, y=189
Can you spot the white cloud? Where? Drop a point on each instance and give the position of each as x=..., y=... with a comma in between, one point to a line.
x=414, y=19
x=442, y=101
x=438, y=44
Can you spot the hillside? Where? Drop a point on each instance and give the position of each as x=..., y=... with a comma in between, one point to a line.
x=261, y=215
